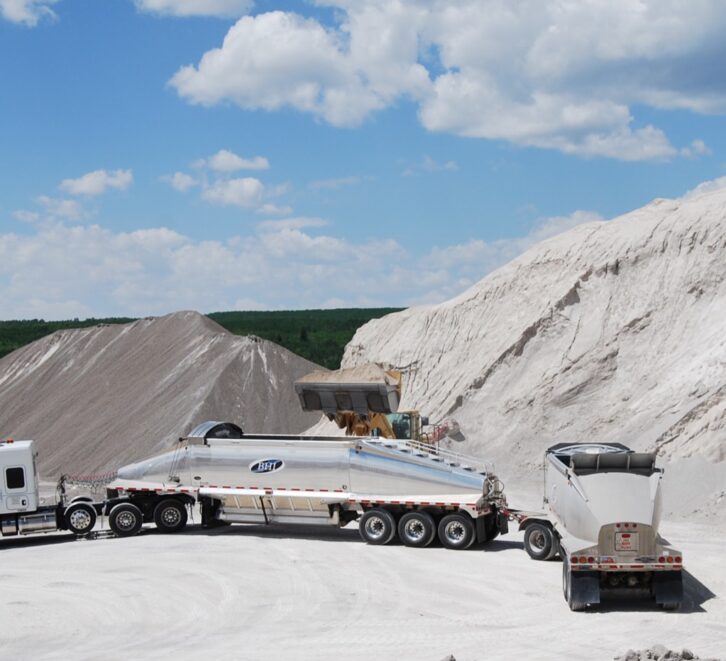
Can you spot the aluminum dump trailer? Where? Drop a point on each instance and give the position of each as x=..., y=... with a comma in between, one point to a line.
x=603, y=509
x=394, y=488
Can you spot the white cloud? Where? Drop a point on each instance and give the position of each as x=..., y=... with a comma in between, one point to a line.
x=25, y=216
x=280, y=265
x=227, y=161
x=97, y=182
x=180, y=181
x=706, y=187
x=218, y=8
x=695, y=149
x=543, y=73
x=244, y=192
x=291, y=224
x=60, y=208
x=27, y=12
x=269, y=209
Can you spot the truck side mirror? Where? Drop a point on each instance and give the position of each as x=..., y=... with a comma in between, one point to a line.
x=424, y=420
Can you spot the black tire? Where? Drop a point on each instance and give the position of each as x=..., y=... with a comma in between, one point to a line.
x=457, y=531
x=170, y=515
x=567, y=587
x=125, y=519
x=377, y=526
x=539, y=541
x=417, y=529
x=80, y=517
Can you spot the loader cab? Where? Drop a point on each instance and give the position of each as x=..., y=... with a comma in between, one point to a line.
x=18, y=478
x=407, y=425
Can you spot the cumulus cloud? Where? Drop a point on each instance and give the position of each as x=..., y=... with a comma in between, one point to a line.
x=243, y=192
x=27, y=12
x=97, y=182
x=290, y=263
x=269, y=209
x=543, y=73
x=218, y=8
x=227, y=161
x=180, y=181
x=291, y=224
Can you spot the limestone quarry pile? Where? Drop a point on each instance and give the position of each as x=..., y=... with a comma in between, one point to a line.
x=613, y=331
x=97, y=398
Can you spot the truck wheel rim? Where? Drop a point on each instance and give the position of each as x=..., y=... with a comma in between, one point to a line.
x=455, y=532
x=170, y=516
x=415, y=530
x=375, y=527
x=537, y=540
x=125, y=520
x=80, y=519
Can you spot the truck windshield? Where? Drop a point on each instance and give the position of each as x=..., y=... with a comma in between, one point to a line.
x=401, y=424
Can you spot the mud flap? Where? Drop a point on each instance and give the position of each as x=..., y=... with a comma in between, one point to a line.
x=668, y=588
x=502, y=523
x=584, y=588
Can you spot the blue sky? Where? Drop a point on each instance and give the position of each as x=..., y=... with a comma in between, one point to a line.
x=223, y=154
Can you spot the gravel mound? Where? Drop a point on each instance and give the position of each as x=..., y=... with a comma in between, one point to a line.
x=613, y=331
x=658, y=652
x=97, y=398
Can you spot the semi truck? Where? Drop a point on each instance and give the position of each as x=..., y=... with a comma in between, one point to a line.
x=602, y=510
x=21, y=510
x=394, y=488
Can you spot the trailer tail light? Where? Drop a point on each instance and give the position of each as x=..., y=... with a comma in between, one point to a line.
x=573, y=560
x=583, y=559
x=661, y=559
x=679, y=560
x=669, y=559
x=590, y=560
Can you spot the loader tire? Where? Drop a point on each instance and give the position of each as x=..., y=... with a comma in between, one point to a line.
x=457, y=531
x=538, y=541
x=80, y=517
x=417, y=529
x=170, y=516
x=377, y=526
x=125, y=519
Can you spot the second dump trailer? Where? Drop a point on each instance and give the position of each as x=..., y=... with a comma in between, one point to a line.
x=393, y=488
x=602, y=512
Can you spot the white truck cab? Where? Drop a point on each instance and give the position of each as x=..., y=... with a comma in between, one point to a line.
x=19, y=480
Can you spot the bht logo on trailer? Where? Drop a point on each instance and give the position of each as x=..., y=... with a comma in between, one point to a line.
x=267, y=465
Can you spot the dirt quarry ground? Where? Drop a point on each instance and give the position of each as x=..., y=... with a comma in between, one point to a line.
x=293, y=593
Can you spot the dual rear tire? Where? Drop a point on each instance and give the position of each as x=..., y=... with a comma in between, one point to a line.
x=126, y=519
x=417, y=528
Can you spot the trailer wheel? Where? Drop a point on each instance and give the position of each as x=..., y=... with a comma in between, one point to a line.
x=538, y=541
x=457, y=531
x=417, y=529
x=170, y=515
x=125, y=519
x=377, y=526
x=80, y=517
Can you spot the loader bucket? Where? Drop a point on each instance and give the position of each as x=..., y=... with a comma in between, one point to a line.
x=361, y=390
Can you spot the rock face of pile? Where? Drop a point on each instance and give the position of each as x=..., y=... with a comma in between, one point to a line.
x=97, y=398
x=613, y=331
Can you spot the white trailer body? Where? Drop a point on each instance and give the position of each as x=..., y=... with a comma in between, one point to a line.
x=240, y=478
x=20, y=509
x=603, y=510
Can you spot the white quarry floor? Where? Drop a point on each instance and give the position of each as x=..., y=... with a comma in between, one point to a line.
x=296, y=593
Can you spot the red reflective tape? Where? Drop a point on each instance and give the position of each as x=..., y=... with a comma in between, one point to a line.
x=309, y=489
x=281, y=489
x=295, y=489
x=338, y=490
x=440, y=504
x=184, y=490
x=226, y=486
x=320, y=490
x=410, y=502
x=423, y=502
x=395, y=502
x=380, y=502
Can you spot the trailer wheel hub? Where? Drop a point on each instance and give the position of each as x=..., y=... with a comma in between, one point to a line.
x=171, y=516
x=415, y=530
x=126, y=520
x=455, y=531
x=375, y=527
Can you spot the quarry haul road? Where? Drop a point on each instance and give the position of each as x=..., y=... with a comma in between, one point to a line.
x=293, y=593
